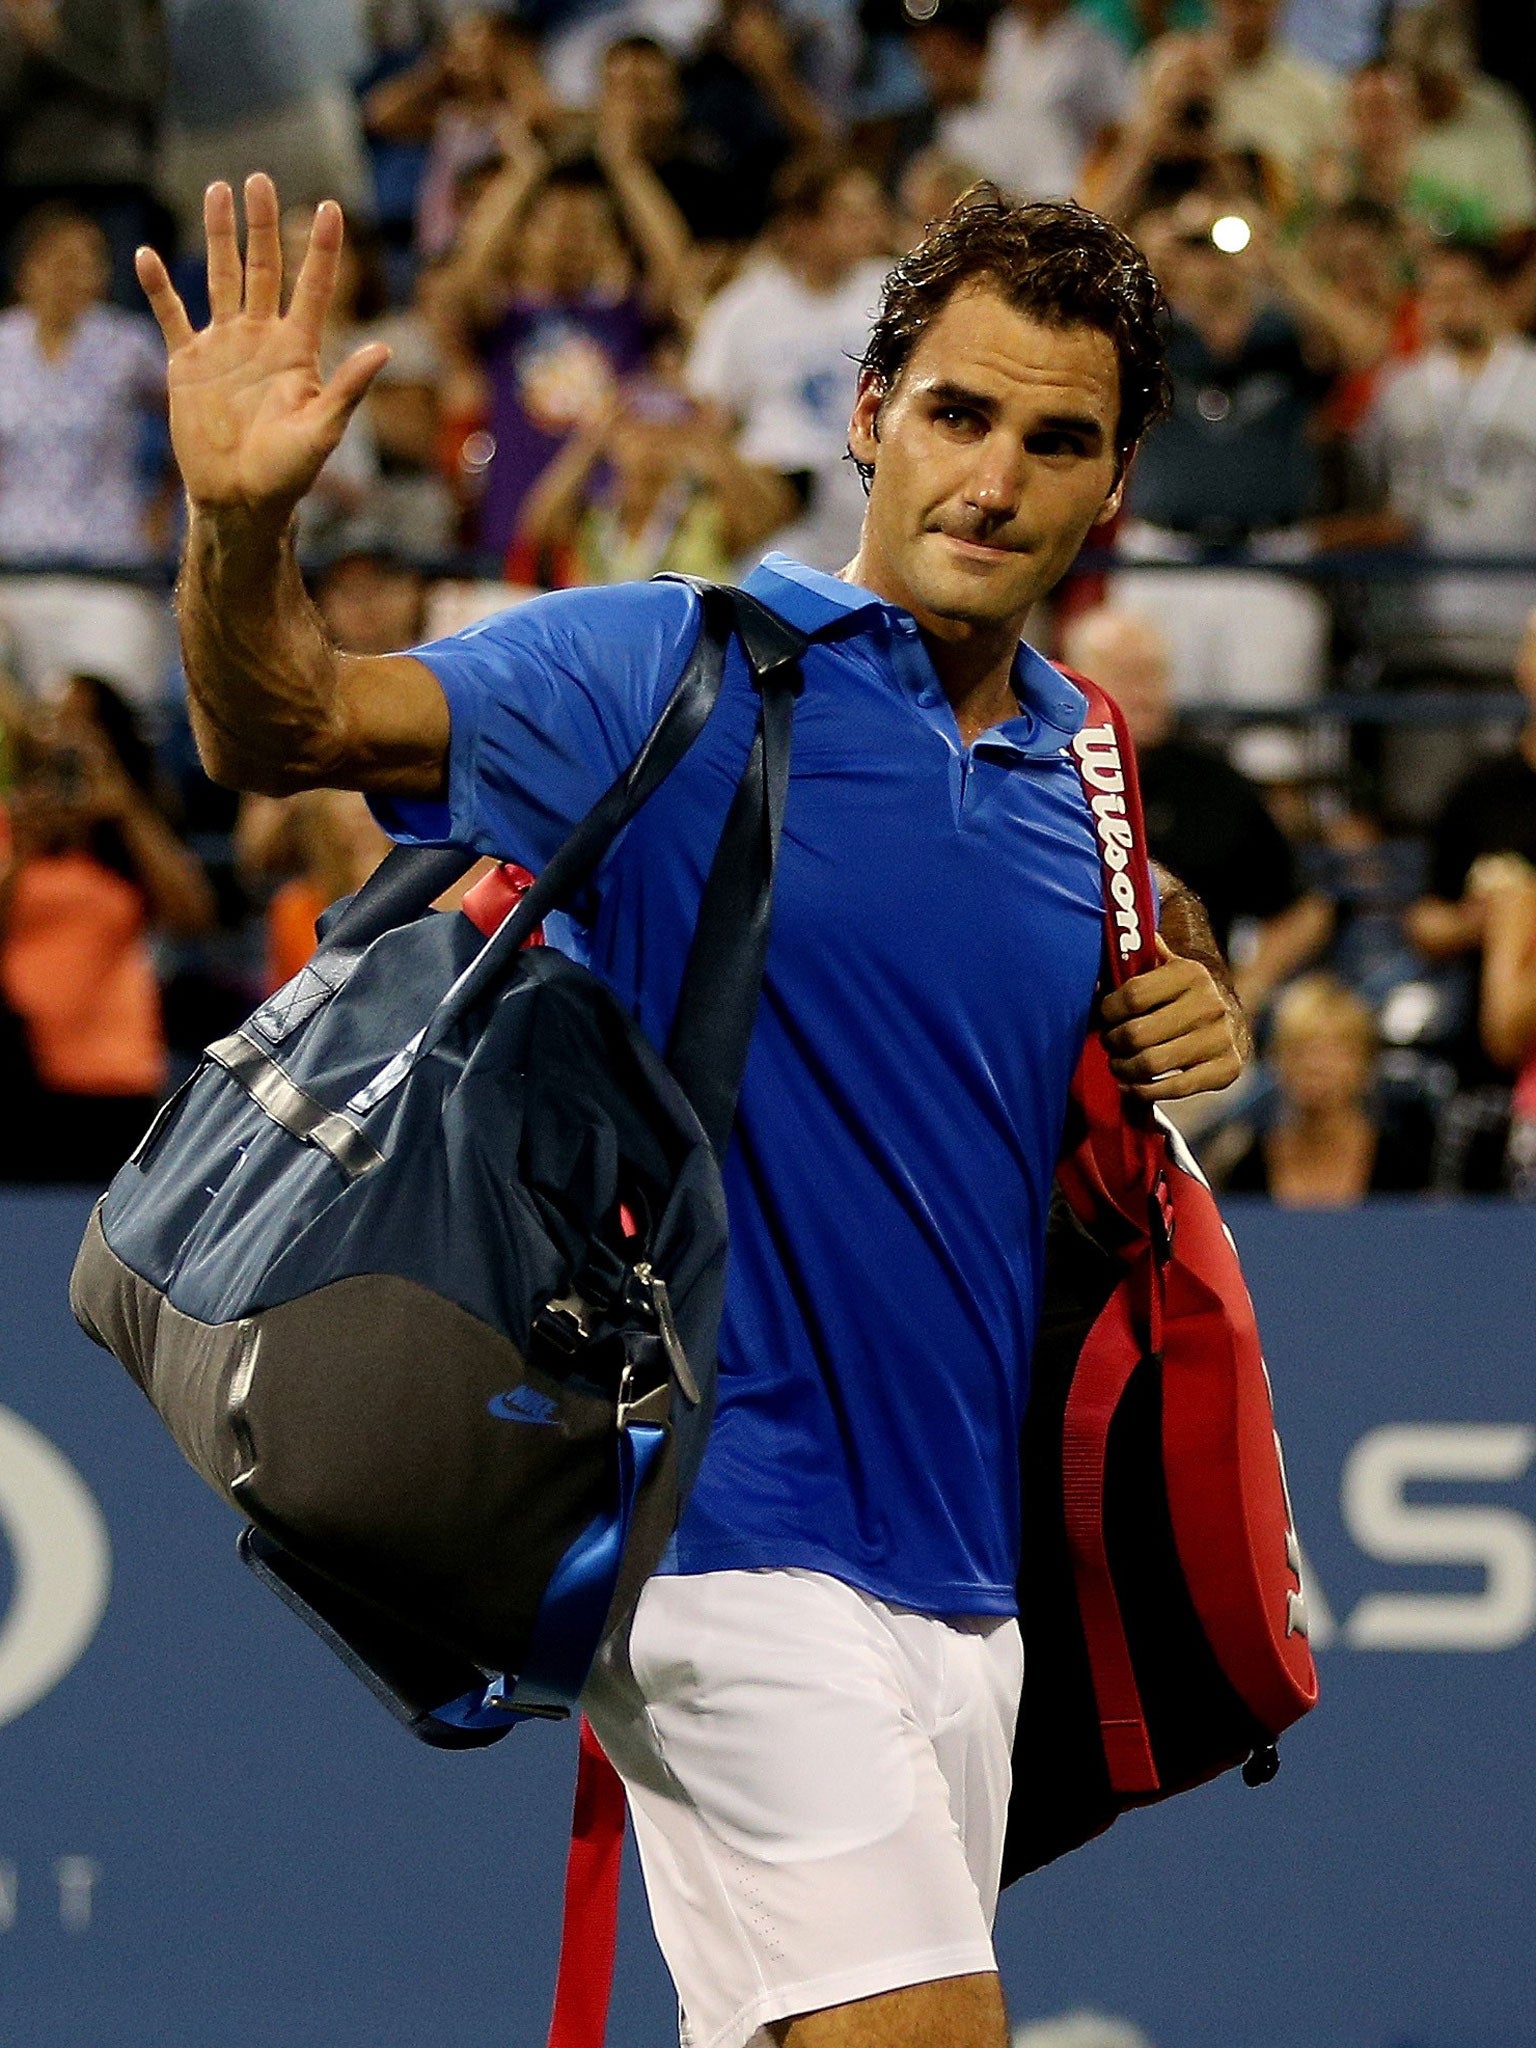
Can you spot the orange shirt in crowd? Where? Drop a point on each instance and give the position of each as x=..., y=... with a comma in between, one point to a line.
x=76, y=966
x=291, y=919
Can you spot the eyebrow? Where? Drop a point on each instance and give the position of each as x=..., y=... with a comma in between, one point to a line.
x=946, y=393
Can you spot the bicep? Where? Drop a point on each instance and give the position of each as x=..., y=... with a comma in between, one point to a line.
x=397, y=726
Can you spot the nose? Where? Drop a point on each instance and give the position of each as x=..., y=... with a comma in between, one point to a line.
x=995, y=483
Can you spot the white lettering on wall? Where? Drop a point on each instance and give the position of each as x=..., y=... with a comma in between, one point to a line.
x=77, y=1877
x=1497, y=1540
x=61, y=1561
x=10, y=1891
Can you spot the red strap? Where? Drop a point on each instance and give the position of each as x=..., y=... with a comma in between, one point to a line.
x=1106, y=760
x=590, y=1932
x=1118, y=1167
x=496, y=895
x=1104, y=1367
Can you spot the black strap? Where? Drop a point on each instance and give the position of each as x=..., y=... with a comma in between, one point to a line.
x=403, y=887
x=722, y=982
x=723, y=976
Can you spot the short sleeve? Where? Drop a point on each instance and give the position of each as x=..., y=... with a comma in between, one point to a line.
x=548, y=703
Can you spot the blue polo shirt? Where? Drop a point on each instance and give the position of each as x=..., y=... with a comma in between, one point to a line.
x=935, y=945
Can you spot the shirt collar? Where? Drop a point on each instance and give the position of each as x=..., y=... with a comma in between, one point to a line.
x=1051, y=709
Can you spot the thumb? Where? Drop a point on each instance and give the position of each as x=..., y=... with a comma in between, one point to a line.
x=344, y=389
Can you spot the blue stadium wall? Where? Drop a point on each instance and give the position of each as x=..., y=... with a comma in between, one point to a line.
x=211, y=1838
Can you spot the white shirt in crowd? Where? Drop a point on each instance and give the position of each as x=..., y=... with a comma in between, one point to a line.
x=70, y=431
x=1047, y=96
x=784, y=360
x=1454, y=452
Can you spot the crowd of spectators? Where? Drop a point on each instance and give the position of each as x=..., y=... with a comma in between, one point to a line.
x=625, y=254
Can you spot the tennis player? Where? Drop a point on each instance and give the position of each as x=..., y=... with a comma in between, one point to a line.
x=814, y=1705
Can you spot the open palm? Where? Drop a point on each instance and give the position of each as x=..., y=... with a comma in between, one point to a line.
x=252, y=420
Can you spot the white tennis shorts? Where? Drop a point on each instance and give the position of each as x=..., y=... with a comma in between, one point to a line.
x=819, y=1784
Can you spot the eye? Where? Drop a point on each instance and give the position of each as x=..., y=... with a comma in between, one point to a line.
x=1057, y=442
x=960, y=417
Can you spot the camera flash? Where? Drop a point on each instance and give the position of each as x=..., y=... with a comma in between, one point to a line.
x=1231, y=234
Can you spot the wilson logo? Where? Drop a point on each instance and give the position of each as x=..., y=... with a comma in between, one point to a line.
x=524, y=1404
x=1098, y=758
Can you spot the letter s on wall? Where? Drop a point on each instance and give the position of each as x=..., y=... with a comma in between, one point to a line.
x=61, y=1565
x=1387, y=1526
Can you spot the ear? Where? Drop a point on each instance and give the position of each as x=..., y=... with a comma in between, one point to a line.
x=1111, y=504
x=864, y=422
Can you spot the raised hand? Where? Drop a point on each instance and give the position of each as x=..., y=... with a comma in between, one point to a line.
x=252, y=420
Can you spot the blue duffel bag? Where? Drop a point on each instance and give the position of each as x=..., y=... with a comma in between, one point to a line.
x=423, y=1267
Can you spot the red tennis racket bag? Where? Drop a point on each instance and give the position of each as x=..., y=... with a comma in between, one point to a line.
x=1160, y=1593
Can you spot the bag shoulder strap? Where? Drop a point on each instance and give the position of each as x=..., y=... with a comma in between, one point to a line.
x=1105, y=756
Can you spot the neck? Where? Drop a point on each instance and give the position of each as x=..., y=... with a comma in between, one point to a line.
x=1527, y=741
x=1472, y=351
x=1326, y=1124
x=972, y=659
x=53, y=332
x=815, y=272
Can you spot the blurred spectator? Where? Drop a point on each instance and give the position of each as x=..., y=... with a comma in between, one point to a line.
x=93, y=869
x=1448, y=453
x=641, y=91
x=745, y=95
x=1205, y=821
x=77, y=381
x=1026, y=96
x=262, y=85
x=370, y=597
x=928, y=188
x=1266, y=97
x=1505, y=885
x=386, y=471
x=651, y=484
x=453, y=100
x=1328, y=1143
x=1357, y=247
x=1255, y=331
x=1491, y=811
x=81, y=87
x=1170, y=146
x=1377, y=159
x=562, y=309
x=330, y=844
x=1475, y=136
x=778, y=350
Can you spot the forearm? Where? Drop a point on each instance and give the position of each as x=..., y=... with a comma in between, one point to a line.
x=262, y=678
x=179, y=893
x=1441, y=930
x=1358, y=337
x=1286, y=943
x=1507, y=1006
x=658, y=228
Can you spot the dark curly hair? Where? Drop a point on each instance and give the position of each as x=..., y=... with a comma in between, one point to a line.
x=1051, y=259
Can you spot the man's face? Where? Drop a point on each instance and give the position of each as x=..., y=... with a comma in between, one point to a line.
x=994, y=455
x=371, y=606
x=851, y=226
x=1460, y=306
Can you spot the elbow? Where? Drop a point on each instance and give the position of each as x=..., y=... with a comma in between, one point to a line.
x=275, y=764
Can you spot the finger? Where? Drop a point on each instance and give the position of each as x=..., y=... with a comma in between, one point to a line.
x=1203, y=1080
x=1149, y=991
x=1186, y=1013
x=317, y=273
x=223, y=251
x=345, y=387
x=164, y=299
x=263, y=247
x=1194, y=1049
